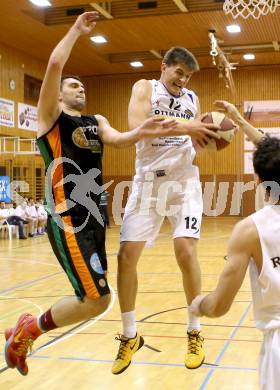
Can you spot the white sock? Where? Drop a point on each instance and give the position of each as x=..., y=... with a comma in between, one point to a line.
x=194, y=322
x=129, y=324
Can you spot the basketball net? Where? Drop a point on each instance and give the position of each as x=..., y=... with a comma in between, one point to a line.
x=248, y=8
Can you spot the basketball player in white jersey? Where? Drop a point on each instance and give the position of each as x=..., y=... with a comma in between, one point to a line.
x=254, y=243
x=165, y=184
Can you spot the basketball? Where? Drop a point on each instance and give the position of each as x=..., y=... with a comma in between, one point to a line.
x=226, y=132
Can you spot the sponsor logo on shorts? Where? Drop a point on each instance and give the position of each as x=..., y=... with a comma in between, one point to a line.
x=96, y=265
x=102, y=282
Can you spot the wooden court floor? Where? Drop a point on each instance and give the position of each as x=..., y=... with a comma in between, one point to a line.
x=80, y=356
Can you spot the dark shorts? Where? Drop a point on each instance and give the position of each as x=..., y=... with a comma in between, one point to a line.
x=81, y=254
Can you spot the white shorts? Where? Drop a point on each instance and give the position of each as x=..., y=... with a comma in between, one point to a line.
x=175, y=196
x=269, y=372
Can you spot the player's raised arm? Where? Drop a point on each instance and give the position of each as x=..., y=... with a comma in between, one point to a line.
x=242, y=244
x=252, y=133
x=48, y=105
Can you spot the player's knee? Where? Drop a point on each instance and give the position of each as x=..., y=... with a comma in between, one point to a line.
x=186, y=256
x=101, y=303
x=124, y=258
x=128, y=257
x=105, y=301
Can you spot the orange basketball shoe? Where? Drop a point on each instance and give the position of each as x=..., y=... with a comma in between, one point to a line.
x=19, y=342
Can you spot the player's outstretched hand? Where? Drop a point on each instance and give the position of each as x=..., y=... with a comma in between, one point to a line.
x=228, y=108
x=157, y=127
x=86, y=22
x=201, y=132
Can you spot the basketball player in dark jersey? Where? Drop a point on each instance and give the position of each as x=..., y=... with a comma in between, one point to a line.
x=71, y=145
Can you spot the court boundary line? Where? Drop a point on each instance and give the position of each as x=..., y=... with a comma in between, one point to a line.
x=91, y=360
x=69, y=332
x=29, y=283
x=224, y=348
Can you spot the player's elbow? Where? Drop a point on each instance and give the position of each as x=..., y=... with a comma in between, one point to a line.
x=118, y=144
x=221, y=308
x=55, y=62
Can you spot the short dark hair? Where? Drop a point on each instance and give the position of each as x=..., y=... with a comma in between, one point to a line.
x=180, y=55
x=266, y=161
x=69, y=76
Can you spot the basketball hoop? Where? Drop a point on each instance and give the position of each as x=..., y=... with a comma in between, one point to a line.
x=254, y=8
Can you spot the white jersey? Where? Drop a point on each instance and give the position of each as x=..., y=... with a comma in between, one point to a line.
x=20, y=211
x=166, y=153
x=31, y=210
x=41, y=211
x=266, y=286
x=6, y=213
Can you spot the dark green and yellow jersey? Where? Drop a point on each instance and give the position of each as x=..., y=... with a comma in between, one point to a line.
x=70, y=149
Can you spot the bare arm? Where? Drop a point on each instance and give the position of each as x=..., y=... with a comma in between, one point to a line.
x=252, y=133
x=150, y=128
x=198, y=114
x=140, y=103
x=241, y=246
x=48, y=105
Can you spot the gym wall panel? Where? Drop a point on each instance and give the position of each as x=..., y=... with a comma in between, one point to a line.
x=13, y=65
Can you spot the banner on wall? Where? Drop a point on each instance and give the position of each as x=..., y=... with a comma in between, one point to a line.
x=7, y=113
x=5, y=189
x=249, y=147
x=248, y=162
x=273, y=131
x=262, y=110
x=27, y=117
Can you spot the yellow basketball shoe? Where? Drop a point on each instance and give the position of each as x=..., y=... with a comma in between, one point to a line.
x=195, y=355
x=126, y=349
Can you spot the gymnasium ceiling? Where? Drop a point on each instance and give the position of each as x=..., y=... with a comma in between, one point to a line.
x=132, y=33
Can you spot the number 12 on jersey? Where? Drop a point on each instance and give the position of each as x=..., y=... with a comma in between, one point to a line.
x=191, y=223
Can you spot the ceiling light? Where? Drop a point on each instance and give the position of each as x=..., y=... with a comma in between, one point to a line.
x=41, y=3
x=249, y=57
x=233, y=28
x=136, y=64
x=98, y=39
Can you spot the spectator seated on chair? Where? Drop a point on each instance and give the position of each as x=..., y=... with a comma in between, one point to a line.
x=32, y=212
x=42, y=217
x=9, y=215
x=22, y=212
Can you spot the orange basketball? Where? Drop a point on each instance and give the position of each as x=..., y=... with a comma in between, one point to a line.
x=226, y=132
